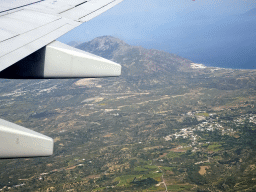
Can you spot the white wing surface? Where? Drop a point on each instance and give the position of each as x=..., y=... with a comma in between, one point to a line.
x=28, y=29
x=29, y=25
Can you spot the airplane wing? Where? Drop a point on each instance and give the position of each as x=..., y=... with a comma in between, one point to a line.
x=28, y=30
x=31, y=25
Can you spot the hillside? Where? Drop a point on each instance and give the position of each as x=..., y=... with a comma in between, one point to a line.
x=135, y=60
x=165, y=124
x=142, y=67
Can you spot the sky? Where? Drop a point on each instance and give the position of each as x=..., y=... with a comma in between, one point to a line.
x=184, y=27
x=133, y=19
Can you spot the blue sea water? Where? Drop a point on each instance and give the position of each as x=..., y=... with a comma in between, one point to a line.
x=228, y=42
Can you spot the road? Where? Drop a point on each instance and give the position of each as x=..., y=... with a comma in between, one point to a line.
x=163, y=179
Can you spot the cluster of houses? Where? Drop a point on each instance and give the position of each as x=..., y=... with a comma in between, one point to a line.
x=207, y=124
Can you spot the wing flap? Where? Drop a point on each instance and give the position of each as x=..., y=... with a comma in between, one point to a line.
x=7, y=5
x=23, y=21
x=26, y=38
x=85, y=9
x=5, y=34
x=99, y=11
x=21, y=46
x=32, y=17
x=88, y=8
x=54, y=7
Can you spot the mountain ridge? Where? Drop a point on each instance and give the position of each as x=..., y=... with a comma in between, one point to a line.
x=105, y=46
x=192, y=126
x=149, y=68
x=135, y=60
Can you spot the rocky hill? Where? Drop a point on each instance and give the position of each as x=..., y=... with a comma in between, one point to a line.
x=141, y=68
x=105, y=46
x=165, y=124
x=135, y=60
x=148, y=68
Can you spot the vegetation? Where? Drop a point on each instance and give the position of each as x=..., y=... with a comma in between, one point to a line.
x=151, y=129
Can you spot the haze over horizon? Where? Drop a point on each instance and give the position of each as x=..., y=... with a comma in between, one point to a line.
x=213, y=33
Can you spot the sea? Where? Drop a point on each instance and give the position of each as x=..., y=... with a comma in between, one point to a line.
x=228, y=42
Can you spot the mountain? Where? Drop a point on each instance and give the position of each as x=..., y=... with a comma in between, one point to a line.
x=137, y=62
x=145, y=60
x=148, y=68
x=165, y=124
x=105, y=46
x=73, y=43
